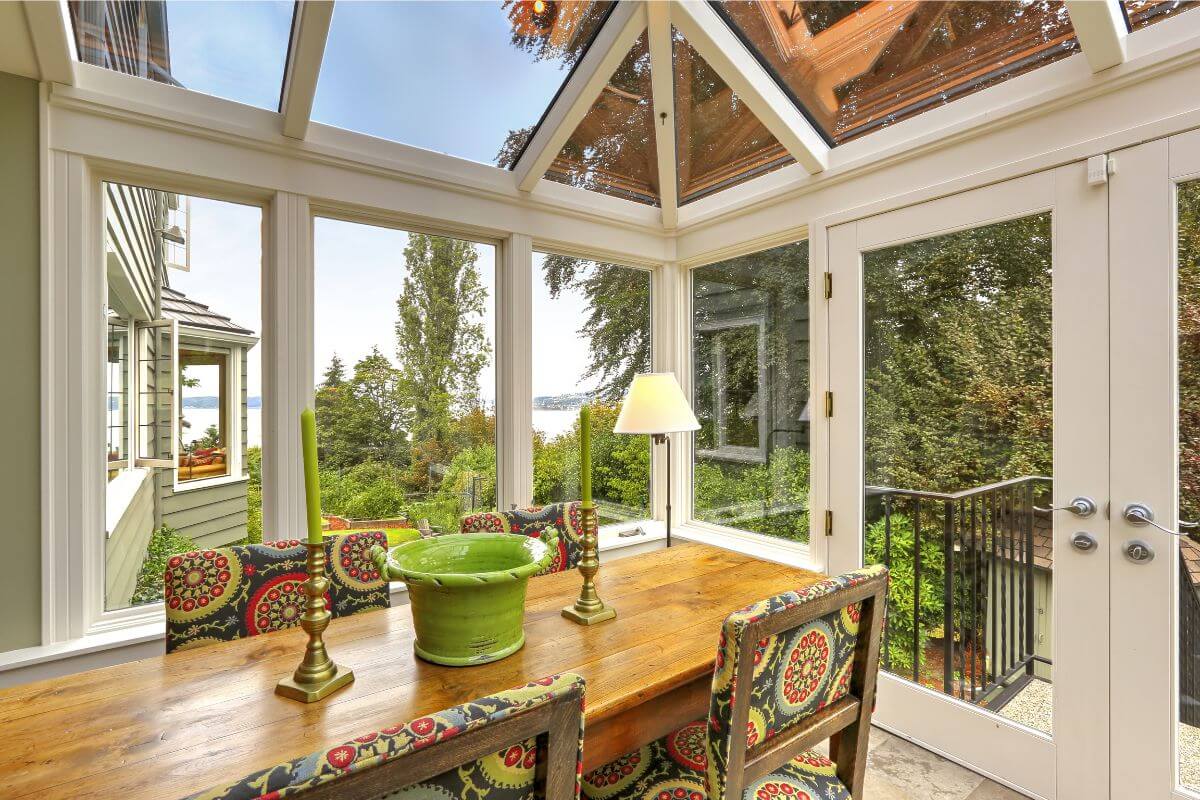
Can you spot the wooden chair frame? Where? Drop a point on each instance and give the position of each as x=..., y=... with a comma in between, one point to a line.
x=846, y=723
x=555, y=724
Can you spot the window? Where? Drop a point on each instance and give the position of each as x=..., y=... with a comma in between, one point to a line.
x=182, y=384
x=405, y=394
x=591, y=335
x=203, y=415
x=750, y=363
x=855, y=67
x=1140, y=13
x=412, y=72
x=231, y=50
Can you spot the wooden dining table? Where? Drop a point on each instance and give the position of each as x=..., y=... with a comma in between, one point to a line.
x=167, y=726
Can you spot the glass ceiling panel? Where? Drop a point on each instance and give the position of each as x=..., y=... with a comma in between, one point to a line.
x=613, y=149
x=719, y=142
x=854, y=67
x=471, y=79
x=231, y=50
x=1140, y=13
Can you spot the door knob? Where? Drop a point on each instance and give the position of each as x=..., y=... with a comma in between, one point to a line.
x=1139, y=514
x=1138, y=551
x=1081, y=507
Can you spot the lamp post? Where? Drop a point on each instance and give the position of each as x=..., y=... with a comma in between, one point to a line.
x=655, y=405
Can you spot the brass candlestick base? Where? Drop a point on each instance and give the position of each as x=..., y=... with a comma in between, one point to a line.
x=317, y=676
x=589, y=609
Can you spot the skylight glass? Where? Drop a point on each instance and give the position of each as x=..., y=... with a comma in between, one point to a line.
x=613, y=149
x=1140, y=13
x=719, y=141
x=854, y=67
x=471, y=79
x=231, y=50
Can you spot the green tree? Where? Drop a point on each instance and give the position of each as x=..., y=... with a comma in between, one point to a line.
x=441, y=344
x=361, y=419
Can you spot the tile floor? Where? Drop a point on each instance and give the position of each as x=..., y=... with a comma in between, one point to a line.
x=899, y=770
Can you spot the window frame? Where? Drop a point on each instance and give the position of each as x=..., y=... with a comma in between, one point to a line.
x=231, y=388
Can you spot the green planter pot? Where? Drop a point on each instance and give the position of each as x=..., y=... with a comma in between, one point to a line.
x=467, y=592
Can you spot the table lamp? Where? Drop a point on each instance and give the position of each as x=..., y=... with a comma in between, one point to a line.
x=655, y=405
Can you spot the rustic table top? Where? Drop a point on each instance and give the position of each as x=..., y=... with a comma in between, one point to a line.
x=170, y=725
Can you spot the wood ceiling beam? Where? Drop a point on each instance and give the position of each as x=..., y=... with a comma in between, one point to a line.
x=723, y=50
x=1101, y=30
x=53, y=42
x=658, y=32
x=587, y=80
x=310, y=31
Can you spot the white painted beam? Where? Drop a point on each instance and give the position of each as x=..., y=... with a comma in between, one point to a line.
x=593, y=71
x=514, y=373
x=1101, y=30
x=310, y=30
x=53, y=43
x=662, y=71
x=723, y=50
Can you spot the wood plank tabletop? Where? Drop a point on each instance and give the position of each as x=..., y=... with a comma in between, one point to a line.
x=167, y=726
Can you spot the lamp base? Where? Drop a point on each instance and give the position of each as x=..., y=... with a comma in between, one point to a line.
x=290, y=688
x=590, y=616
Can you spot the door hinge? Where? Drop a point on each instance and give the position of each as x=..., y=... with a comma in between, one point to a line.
x=828, y=285
x=829, y=404
x=828, y=522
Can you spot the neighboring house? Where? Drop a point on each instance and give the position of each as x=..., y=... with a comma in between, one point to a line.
x=158, y=341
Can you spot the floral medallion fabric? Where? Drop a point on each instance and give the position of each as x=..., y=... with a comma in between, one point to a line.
x=795, y=674
x=244, y=590
x=566, y=518
x=508, y=774
x=674, y=768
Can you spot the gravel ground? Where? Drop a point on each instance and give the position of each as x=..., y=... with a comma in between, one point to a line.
x=1189, y=757
x=1033, y=706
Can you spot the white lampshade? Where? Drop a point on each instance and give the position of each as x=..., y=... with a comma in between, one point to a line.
x=655, y=404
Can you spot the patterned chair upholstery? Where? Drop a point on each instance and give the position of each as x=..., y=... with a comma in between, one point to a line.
x=243, y=590
x=565, y=517
x=807, y=666
x=390, y=763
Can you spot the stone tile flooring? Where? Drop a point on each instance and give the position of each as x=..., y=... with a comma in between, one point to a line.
x=899, y=770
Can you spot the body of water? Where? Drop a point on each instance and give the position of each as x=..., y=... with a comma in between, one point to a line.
x=550, y=421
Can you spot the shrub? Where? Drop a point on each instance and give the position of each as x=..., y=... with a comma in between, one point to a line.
x=164, y=542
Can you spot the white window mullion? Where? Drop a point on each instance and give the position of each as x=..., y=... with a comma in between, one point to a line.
x=514, y=373
x=287, y=363
x=671, y=341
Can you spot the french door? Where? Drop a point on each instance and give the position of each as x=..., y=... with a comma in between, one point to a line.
x=969, y=368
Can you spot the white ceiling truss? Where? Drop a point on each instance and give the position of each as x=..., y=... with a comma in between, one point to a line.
x=1099, y=26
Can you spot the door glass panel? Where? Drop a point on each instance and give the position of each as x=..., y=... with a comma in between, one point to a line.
x=750, y=359
x=1140, y=13
x=1188, y=255
x=958, y=445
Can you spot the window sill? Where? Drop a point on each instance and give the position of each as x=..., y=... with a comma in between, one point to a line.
x=207, y=483
x=783, y=551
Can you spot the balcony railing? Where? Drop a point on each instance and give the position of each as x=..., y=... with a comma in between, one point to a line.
x=977, y=548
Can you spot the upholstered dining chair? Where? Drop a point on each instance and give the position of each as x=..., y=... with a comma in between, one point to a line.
x=226, y=593
x=566, y=517
x=520, y=744
x=803, y=664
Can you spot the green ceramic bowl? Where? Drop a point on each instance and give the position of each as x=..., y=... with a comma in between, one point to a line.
x=467, y=592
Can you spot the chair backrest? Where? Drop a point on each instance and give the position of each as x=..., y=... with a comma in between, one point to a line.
x=566, y=517
x=227, y=593
x=520, y=744
x=809, y=659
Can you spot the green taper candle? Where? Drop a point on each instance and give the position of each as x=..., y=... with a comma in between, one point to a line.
x=585, y=453
x=312, y=481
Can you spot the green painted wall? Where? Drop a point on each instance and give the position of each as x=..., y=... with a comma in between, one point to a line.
x=20, y=489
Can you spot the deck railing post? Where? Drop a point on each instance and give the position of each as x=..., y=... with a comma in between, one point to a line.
x=916, y=634
x=948, y=598
x=1030, y=613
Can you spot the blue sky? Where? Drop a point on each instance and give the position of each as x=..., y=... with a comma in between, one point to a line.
x=438, y=75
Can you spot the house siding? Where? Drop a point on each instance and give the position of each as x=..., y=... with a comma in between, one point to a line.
x=131, y=217
x=127, y=545
x=20, y=402
x=211, y=516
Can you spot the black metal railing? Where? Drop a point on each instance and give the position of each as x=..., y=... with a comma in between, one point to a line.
x=977, y=548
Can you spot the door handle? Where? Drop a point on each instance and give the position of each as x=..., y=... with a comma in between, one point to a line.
x=1082, y=507
x=1139, y=515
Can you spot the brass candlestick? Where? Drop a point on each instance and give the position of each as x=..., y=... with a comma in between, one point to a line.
x=589, y=608
x=317, y=676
